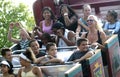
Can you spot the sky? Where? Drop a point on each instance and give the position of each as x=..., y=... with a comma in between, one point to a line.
x=29, y=3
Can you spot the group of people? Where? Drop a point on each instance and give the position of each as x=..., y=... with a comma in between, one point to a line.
x=32, y=55
x=86, y=33
x=65, y=29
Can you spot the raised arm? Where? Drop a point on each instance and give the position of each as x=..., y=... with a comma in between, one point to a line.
x=78, y=30
x=71, y=38
x=83, y=25
x=10, y=38
x=69, y=21
x=20, y=26
x=37, y=71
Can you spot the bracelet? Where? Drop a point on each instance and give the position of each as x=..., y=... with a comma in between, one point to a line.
x=46, y=56
x=10, y=29
x=65, y=14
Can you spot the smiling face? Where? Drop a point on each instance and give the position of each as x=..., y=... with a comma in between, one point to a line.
x=46, y=14
x=52, y=51
x=23, y=35
x=35, y=47
x=91, y=22
x=87, y=10
x=8, y=55
x=4, y=68
x=83, y=46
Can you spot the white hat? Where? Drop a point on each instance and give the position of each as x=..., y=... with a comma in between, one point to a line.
x=5, y=63
x=24, y=57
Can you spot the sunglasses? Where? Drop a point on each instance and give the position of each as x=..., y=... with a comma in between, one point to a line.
x=90, y=20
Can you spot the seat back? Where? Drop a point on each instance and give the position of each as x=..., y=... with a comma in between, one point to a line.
x=95, y=65
x=75, y=71
x=113, y=56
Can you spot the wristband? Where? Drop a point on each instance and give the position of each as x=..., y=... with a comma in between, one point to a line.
x=65, y=14
x=46, y=56
x=10, y=29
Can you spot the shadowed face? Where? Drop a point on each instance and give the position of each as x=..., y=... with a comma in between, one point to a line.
x=109, y=17
x=64, y=9
x=23, y=62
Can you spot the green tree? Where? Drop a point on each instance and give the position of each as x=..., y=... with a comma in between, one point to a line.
x=11, y=13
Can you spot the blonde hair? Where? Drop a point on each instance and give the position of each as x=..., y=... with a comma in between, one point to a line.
x=98, y=23
x=86, y=5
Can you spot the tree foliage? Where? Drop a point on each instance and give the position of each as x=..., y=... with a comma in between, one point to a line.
x=11, y=13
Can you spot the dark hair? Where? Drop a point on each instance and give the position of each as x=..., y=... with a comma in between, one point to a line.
x=46, y=36
x=80, y=40
x=71, y=11
x=50, y=10
x=113, y=14
x=58, y=25
x=49, y=45
x=4, y=50
x=10, y=71
x=29, y=54
x=33, y=40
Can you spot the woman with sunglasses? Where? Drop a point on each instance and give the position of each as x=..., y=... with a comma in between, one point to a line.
x=95, y=35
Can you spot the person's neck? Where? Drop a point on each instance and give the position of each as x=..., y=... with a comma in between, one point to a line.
x=10, y=59
x=28, y=66
x=85, y=18
x=47, y=20
x=112, y=22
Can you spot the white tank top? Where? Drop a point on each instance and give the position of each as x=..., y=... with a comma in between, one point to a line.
x=61, y=42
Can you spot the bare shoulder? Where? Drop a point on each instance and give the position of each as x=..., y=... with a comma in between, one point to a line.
x=36, y=69
x=102, y=33
x=40, y=24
